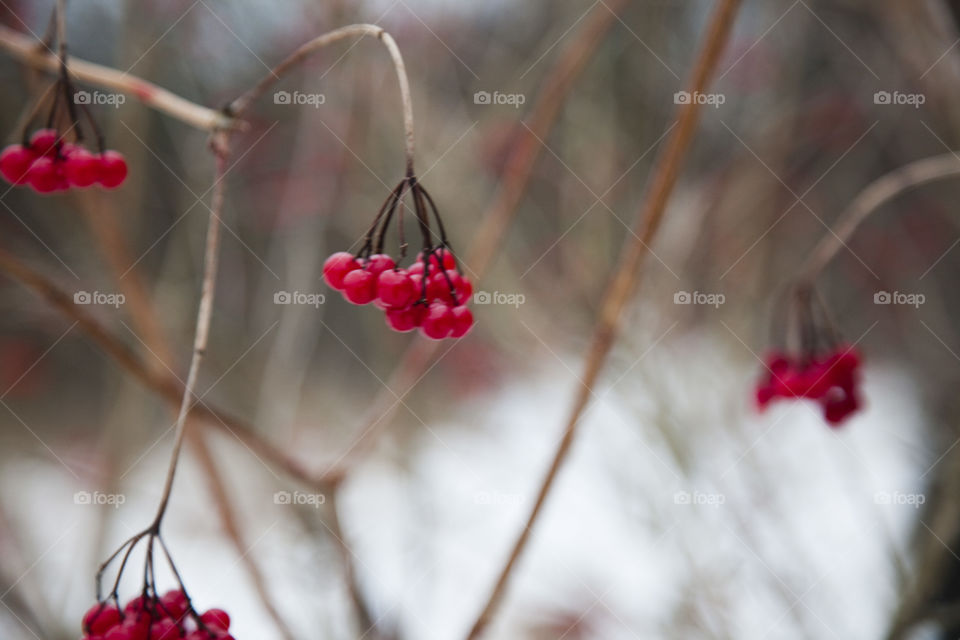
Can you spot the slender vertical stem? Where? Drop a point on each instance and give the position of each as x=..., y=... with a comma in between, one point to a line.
x=220, y=145
x=623, y=283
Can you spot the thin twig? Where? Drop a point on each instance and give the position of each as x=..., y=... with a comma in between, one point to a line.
x=239, y=106
x=875, y=195
x=26, y=49
x=220, y=146
x=623, y=282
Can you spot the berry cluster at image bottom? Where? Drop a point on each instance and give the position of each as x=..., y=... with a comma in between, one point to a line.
x=168, y=617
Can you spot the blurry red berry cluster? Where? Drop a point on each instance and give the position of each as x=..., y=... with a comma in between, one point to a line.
x=430, y=295
x=47, y=164
x=832, y=380
x=150, y=618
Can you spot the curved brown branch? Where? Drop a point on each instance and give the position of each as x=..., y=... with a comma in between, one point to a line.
x=875, y=195
x=623, y=283
x=239, y=106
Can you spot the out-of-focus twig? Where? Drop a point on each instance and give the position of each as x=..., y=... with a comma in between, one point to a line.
x=623, y=283
x=25, y=49
x=875, y=195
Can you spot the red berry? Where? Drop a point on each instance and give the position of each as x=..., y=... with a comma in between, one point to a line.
x=174, y=603
x=336, y=267
x=408, y=319
x=113, y=169
x=462, y=321
x=378, y=263
x=438, y=323
x=15, y=163
x=117, y=633
x=82, y=168
x=438, y=288
x=416, y=268
x=43, y=175
x=216, y=618
x=464, y=289
x=164, y=629
x=440, y=257
x=395, y=289
x=360, y=286
x=101, y=618
x=44, y=141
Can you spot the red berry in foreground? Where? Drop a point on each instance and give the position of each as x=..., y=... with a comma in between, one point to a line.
x=216, y=618
x=164, y=629
x=379, y=262
x=174, y=603
x=461, y=321
x=438, y=322
x=15, y=162
x=100, y=618
x=113, y=169
x=408, y=319
x=82, y=168
x=395, y=289
x=44, y=141
x=360, y=286
x=336, y=267
x=43, y=175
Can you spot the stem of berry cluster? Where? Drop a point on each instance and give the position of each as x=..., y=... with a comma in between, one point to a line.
x=875, y=195
x=241, y=104
x=623, y=283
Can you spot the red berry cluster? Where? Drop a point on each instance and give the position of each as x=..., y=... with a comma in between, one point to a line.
x=832, y=380
x=151, y=618
x=47, y=164
x=430, y=294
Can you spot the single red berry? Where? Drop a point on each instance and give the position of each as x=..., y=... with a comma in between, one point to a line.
x=82, y=168
x=15, y=163
x=395, y=289
x=174, y=603
x=336, y=267
x=378, y=263
x=100, y=618
x=462, y=321
x=438, y=323
x=113, y=169
x=216, y=618
x=360, y=286
x=408, y=319
x=134, y=606
x=44, y=141
x=43, y=175
x=439, y=289
x=416, y=268
x=464, y=290
x=164, y=629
